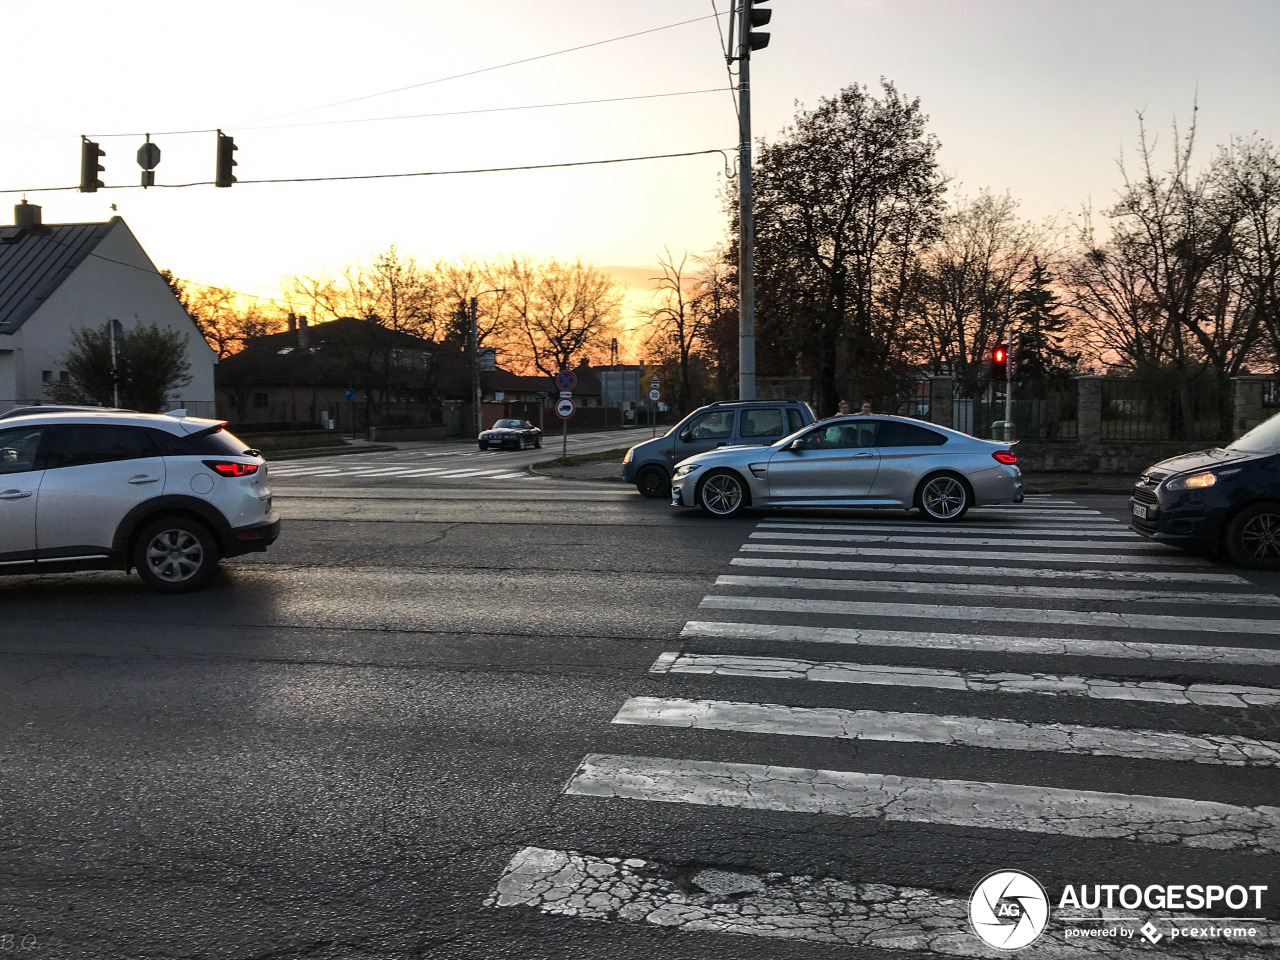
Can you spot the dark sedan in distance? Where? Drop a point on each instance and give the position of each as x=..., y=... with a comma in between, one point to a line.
x=516, y=434
x=1225, y=500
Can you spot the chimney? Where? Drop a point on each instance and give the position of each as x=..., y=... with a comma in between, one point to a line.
x=303, y=338
x=293, y=323
x=26, y=216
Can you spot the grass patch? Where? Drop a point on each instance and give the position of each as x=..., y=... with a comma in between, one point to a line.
x=603, y=456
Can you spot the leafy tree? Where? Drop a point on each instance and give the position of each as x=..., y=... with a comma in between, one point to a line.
x=152, y=362
x=562, y=313
x=843, y=202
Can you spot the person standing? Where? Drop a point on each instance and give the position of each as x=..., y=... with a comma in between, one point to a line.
x=866, y=408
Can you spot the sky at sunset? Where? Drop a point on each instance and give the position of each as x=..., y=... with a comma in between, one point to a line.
x=1037, y=97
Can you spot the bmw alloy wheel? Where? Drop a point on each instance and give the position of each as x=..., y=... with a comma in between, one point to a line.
x=944, y=497
x=723, y=494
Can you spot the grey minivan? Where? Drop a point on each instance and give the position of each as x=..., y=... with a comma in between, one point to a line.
x=726, y=424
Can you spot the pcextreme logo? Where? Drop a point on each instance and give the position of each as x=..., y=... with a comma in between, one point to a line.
x=1009, y=909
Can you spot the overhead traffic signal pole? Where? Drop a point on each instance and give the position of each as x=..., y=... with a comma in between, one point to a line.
x=748, y=40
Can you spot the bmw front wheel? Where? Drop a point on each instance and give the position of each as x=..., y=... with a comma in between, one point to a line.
x=723, y=494
x=944, y=497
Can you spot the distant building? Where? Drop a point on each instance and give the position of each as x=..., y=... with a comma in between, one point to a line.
x=56, y=279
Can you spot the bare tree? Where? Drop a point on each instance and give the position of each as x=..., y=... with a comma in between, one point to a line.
x=676, y=326
x=561, y=312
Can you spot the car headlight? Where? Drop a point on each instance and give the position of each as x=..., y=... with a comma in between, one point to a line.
x=1195, y=481
x=627, y=456
x=686, y=468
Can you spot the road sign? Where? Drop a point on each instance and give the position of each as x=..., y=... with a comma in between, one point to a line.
x=655, y=395
x=565, y=408
x=566, y=379
x=653, y=382
x=351, y=394
x=566, y=393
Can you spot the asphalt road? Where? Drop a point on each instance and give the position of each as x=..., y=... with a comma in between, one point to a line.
x=370, y=740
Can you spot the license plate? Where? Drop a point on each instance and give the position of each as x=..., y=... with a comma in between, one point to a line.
x=1139, y=511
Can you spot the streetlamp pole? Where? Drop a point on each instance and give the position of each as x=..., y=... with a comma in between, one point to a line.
x=746, y=232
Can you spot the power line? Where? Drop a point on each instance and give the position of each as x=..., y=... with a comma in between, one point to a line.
x=421, y=116
x=393, y=176
x=472, y=73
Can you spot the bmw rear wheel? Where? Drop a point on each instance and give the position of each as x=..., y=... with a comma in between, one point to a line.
x=1253, y=537
x=944, y=497
x=520, y=443
x=722, y=494
x=175, y=554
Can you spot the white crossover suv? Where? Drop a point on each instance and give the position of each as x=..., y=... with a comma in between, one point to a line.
x=167, y=496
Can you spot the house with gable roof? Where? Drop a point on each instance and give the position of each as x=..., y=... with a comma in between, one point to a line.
x=59, y=278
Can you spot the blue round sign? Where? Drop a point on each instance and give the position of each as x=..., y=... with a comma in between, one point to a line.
x=566, y=379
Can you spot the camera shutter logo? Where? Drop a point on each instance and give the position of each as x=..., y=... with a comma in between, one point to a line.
x=1009, y=910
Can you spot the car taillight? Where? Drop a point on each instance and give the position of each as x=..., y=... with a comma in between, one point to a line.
x=1005, y=456
x=231, y=468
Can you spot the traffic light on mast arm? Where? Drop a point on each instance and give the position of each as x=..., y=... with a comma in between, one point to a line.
x=756, y=18
x=222, y=176
x=89, y=166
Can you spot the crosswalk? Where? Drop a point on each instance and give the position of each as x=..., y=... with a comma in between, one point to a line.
x=460, y=465
x=1044, y=617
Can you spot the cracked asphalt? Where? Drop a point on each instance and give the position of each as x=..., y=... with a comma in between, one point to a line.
x=336, y=750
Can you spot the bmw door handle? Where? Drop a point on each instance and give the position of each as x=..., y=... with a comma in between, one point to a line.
x=143, y=478
x=863, y=456
x=15, y=494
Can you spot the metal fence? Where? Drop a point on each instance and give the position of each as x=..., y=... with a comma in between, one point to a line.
x=1041, y=410
x=1270, y=398
x=1165, y=410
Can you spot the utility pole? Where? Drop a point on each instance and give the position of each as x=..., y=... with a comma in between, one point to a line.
x=473, y=339
x=748, y=40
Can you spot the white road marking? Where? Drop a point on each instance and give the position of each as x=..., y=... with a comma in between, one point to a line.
x=1014, y=591
x=960, y=803
x=1140, y=621
x=1008, y=533
x=977, y=732
x=1164, y=558
x=1006, y=522
x=803, y=909
x=1044, y=684
x=1137, y=545
x=983, y=570
x=1033, y=646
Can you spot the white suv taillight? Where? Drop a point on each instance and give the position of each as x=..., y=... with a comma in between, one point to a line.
x=231, y=468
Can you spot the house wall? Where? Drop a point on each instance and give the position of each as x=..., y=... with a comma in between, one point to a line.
x=130, y=290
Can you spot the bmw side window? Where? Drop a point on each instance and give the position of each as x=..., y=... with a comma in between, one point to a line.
x=18, y=449
x=894, y=434
x=81, y=444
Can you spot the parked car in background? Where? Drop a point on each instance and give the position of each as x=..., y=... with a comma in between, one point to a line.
x=513, y=434
x=167, y=496
x=1225, y=500
x=649, y=465
x=859, y=461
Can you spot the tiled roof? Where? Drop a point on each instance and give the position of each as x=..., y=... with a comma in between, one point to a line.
x=34, y=262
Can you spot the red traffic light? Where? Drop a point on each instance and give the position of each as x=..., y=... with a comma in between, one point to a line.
x=999, y=354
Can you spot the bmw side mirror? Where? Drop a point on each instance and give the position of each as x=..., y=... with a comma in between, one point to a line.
x=796, y=445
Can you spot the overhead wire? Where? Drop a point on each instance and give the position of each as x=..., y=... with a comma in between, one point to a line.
x=472, y=73
x=393, y=176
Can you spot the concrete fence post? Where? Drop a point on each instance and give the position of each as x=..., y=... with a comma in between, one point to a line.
x=1246, y=403
x=1089, y=410
x=942, y=391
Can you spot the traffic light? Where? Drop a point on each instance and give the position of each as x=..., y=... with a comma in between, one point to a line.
x=756, y=18
x=999, y=364
x=113, y=374
x=89, y=166
x=226, y=147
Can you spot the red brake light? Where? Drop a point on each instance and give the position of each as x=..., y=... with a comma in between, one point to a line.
x=231, y=468
x=1005, y=456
